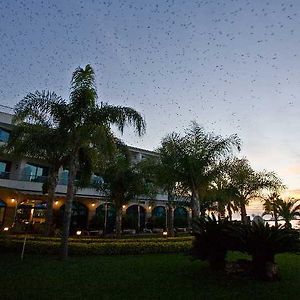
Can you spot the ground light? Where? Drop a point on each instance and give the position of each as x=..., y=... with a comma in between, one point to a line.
x=78, y=232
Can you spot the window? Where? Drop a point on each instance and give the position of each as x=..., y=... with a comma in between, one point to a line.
x=63, y=177
x=4, y=168
x=36, y=173
x=40, y=211
x=2, y=211
x=4, y=135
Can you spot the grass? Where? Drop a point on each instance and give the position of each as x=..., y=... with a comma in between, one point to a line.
x=160, y=276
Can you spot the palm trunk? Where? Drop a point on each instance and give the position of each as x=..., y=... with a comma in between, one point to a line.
x=68, y=209
x=243, y=212
x=275, y=217
x=195, y=205
x=229, y=212
x=170, y=220
x=105, y=219
x=119, y=222
x=53, y=179
x=221, y=211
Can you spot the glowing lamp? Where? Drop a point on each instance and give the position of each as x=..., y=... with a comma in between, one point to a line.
x=5, y=229
x=93, y=204
x=124, y=206
x=78, y=232
x=165, y=233
x=13, y=200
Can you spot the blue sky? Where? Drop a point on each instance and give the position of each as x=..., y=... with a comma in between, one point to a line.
x=232, y=66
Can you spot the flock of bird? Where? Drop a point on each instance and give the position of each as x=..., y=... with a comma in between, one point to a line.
x=223, y=63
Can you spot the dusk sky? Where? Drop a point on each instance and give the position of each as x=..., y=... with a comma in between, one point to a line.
x=231, y=66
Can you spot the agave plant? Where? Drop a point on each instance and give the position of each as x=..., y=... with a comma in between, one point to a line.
x=263, y=242
x=211, y=241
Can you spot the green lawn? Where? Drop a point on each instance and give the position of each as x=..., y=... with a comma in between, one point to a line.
x=160, y=276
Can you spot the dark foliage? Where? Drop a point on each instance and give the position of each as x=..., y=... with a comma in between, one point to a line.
x=211, y=241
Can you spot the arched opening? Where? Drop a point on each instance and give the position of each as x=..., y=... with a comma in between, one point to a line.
x=180, y=217
x=25, y=212
x=2, y=212
x=135, y=218
x=79, y=216
x=105, y=218
x=159, y=217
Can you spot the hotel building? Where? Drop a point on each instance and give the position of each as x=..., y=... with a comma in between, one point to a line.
x=22, y=201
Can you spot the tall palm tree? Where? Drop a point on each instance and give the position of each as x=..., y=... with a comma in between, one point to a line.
x=36, y=134
x=288, y=210
x=247, y=184
x=122, y=182
x=87, y=129
x=271, y=204
x=198, y=153
x=219, y=192
x=160, y=173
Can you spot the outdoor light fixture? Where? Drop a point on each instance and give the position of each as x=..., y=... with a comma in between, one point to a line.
x=5, y=228
x=124, y=206
x=149, y=207
x=165, y=233
x=56, y=202
x=78, y=232
x=13, y=200
x=93, y=204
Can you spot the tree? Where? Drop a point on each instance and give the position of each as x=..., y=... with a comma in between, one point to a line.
x=219, y=193
x=197, y=154
x=247, y=184
x=36, y=122
x=122, y=182
x=81, y=128
x=288, y=210
x=87, y=128
x=271, y=206
x=159, y=173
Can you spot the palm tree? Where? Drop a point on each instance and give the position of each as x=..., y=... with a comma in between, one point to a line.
x=159, y=172
x=271, y=206
x=122, y=182
x=198, y=153
x=87, y=128
x=35, y=124
x=288, y=210
x=247, y=184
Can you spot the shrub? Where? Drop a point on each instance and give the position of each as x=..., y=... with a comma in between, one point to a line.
x=263, y=242
x=98, y=248
x=211, y=241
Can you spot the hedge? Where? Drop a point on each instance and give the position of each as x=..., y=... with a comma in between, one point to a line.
x=96, y=248
x=102, y=240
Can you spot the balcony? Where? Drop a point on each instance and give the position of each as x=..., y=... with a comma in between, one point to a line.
x=30, y=183
x=33, y=184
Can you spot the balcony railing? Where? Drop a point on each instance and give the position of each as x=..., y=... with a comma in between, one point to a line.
x=4, y=175
x=63, y=179
x=22, y=177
